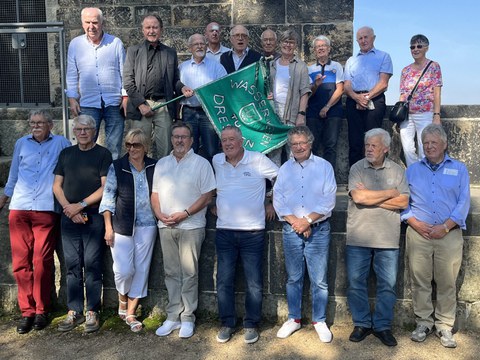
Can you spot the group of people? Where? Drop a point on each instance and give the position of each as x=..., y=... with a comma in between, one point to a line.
x=123, y=201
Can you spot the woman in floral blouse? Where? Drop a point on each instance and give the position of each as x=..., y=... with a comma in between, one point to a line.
x=425, y=102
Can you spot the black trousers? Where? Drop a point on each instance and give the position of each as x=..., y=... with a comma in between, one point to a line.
x=359, y=122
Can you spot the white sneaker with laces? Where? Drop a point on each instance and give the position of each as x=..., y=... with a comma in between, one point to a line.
x=186, y=329
x=167, y=327
x=288, y=328
x=323, y=332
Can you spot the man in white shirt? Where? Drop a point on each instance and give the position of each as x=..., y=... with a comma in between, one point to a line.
x=183, y=186
x=194, y=73
x=304, y=197
x=240, y=176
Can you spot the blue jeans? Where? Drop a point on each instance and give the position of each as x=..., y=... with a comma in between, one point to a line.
x=313, y=251
x=248, y=245
x=114, y=126
x=325, y=132
x=202, y=128
x=385, y=265
x=83, y=249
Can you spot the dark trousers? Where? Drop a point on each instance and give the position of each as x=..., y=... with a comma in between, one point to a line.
x=359, y=122
x=83, y=249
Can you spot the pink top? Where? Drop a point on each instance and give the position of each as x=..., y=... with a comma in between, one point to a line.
x=422, y=99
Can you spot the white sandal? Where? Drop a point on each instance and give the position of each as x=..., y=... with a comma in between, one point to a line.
x=122, y=313
x=135, y=325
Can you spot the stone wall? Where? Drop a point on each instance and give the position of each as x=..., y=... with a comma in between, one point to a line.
x=275, y=305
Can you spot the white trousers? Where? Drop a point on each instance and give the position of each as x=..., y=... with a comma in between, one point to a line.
x=132, y=256
x=414, y=125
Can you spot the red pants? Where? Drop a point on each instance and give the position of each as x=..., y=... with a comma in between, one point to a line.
x=33, y=237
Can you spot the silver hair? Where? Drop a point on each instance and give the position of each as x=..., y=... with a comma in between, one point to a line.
x=231, y=31
x=190, y=39
x=383, y=134
x=85, y=120
x=321, y=38
x=100, y=13
x=234, y=128
x=290, y=35
x=300, y=130
x=435, y=129
x=43, y=113
x=419, y=39
x=274, y=34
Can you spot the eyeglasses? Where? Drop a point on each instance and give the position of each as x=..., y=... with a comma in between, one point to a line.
x=198, y=44
x=83, y=130
x=180, y=137
x=289, y=42
x=37, y=123
x=136, y=146
x=418, y=46
x=300, y=143
x=240, y=36
x=318, y=47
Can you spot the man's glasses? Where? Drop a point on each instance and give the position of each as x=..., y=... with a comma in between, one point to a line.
x=83, y=130
x=180, y=137
x=300, y=143
x=37, y=123
x=418, y=46
x=136, y=146
x=240, y=36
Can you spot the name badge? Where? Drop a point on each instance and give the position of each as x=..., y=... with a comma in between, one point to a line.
x=453, y=172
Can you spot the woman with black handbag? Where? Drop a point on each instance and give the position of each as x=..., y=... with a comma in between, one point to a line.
x=423, y=81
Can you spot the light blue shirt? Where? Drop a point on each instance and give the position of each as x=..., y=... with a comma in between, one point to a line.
x=436, y=196
x=363, y=70
x=94, y=72
x=216, y=55
x=196, y=75
x=143, y=210
x=30, y=180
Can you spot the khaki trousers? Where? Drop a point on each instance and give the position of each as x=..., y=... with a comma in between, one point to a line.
x=439, y=260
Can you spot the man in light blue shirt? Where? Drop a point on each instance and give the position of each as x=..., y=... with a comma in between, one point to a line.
x=438, y=208
x=366, y=79
x=94, y=78
x=194, y=73
x=32, y=219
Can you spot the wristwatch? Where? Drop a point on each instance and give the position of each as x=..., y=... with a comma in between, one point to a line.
x=309, y=219
x=302, y=113
x=446, y=228
x=83, y=203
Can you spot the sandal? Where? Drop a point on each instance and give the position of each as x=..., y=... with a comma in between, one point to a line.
x=122, y=313
x=135, y=325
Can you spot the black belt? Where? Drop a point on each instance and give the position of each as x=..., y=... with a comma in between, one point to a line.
x=318, y=223
x=361, y=92
x=196, y=108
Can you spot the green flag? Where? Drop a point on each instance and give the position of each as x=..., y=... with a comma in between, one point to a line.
x=240, y=99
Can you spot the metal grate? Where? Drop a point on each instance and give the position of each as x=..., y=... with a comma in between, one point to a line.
x=24, y=70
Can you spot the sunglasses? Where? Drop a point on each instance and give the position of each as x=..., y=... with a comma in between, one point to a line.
x=134, y=145
x=419, y=46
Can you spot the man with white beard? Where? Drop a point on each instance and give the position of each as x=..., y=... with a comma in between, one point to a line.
x=194, y=73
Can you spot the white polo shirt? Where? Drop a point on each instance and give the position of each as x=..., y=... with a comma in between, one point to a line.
x=241, y=190
x=180, y=183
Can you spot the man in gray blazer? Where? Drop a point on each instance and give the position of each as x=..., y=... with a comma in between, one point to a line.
x=151, y=77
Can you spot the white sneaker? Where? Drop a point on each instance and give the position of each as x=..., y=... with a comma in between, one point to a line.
x=167, y=327
x=323, y=332
x=186, y=330
x=288, y=328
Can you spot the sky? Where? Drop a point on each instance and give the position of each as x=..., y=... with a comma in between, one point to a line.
x=452, y=28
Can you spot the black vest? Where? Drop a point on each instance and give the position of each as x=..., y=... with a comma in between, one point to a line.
x=124, y=218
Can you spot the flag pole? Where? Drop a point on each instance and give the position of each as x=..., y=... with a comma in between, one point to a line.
x=156, y=107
